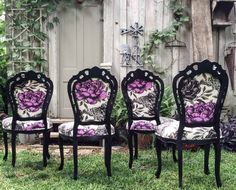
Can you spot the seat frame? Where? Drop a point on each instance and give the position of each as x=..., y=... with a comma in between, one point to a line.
x=192, y=70
x=83, y=76
x=10, y=85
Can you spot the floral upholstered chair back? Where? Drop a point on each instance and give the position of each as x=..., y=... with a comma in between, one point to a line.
x=201, y=91
x=29, y=94
x=143, y=92
x=92, y=93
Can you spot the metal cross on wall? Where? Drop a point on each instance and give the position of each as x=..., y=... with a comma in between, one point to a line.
x=132, y=53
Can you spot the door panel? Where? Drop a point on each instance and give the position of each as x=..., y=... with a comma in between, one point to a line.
x=80, y=37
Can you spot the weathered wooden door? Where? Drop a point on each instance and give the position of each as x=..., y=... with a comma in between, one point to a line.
x=80, y=38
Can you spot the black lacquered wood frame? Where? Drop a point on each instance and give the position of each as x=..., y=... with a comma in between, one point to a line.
x=83, y=76
x=132, y=134
x=190, y=72
x=11, y=84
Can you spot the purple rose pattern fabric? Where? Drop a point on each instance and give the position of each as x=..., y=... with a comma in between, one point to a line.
x=84, y=130
x=143, y=96
x=91, y=91
x=143, y=125
x=200, y=96
x=200, y=112
x=30, y=97
x=31, y=101
x=92, y=97
x=169, y=129
x=25, y=125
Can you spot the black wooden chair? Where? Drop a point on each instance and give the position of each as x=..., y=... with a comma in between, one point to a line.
x=92, y=95
x=143, y=92
x=199, y=92
x=29, y=94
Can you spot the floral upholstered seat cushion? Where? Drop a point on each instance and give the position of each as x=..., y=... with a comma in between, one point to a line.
x=148, y=125
x=84, y=130
x=169, y=130
x=31, y=125
x=143, y=125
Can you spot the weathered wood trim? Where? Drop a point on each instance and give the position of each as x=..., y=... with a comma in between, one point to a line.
x=53, y=60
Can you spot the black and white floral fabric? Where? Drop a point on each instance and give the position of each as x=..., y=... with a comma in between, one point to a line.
x=169, y=129
x=84, y=130
x=92, y=98
x=25, y=125
x=143, y=96
x=200, y=96
x=30, y=97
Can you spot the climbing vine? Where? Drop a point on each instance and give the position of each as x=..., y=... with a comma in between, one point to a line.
x=27, y=25
x=158, y=37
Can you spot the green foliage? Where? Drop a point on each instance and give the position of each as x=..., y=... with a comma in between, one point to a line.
x=29, y=173
x=167, y=103
x=120, y=113
x=27, y=39
x=159, y=37
x=3, y=56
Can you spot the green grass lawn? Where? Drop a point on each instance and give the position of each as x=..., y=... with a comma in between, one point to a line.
x=30, y=175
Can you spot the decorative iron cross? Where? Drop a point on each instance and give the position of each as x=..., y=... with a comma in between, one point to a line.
x=134, y=54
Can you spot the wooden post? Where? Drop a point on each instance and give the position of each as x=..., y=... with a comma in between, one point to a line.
x=201, y=30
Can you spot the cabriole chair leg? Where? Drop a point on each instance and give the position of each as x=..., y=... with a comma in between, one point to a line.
x=180, y=164
x=75, y=156
x=130, y=142
x=158, y=146
x=107, y=151
x=61, y=153
x=173, y=153
x=5, y=145
x=135, y=146
x=217, y=163
x=45, y=149
x=13, y=146
x=206, y=159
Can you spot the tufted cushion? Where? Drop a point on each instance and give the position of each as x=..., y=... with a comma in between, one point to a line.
x=25, y=125
x=148, y=125
x=169, y=130
x=84, y=130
